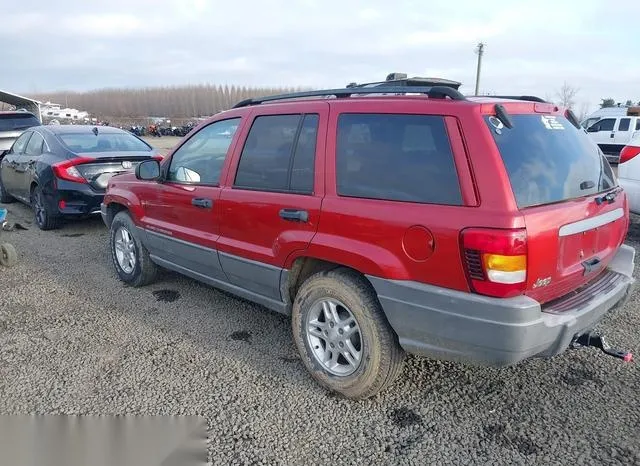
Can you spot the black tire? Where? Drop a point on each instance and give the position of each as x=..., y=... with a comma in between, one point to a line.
x=145, y=271
x=44, y=218
x=381, y=358
x=8, y=255
x=5, y=197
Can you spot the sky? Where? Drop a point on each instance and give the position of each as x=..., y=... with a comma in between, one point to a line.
x=532, y=47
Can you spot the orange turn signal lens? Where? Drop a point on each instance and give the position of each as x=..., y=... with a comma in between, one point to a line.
x=502, y=263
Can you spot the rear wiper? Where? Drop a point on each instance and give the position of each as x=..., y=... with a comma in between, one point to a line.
x=503, y=116
x=609, y=197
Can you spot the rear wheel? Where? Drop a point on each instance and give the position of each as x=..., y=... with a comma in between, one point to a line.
x=5, y=197
x=44, y=217
x=130, y=258
x=343, y=336
x=8, y=255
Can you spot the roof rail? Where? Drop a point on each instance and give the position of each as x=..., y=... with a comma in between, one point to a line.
x=435, y=92
x=530, y=98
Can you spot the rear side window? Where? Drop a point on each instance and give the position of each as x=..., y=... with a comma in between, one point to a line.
x=17, y=121
x=396, y=157
x=637, y=124
x=624, y=124
x=548, y=160
x=35, y=145
x=279, y=154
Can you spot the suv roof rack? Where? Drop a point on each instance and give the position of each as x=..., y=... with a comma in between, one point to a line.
x=401, y=79
x=530, y=98
x=435, y=92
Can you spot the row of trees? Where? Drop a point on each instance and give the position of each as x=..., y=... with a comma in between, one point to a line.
x=609, y=102
x=173, y=101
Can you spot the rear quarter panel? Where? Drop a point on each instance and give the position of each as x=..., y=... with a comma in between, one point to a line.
x=375, y=236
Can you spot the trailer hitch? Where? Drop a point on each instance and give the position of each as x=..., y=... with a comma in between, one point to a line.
x=598, y=341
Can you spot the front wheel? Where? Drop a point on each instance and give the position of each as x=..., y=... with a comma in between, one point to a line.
x=343, y=336
x=130, y=258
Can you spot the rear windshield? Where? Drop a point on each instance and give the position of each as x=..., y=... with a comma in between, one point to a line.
x=548, y=160
x=103, y=142
x=17, y=121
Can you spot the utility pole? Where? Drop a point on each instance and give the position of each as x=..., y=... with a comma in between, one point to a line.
x=480, y=52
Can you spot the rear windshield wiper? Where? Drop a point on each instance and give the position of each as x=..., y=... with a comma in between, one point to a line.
x=609, y=197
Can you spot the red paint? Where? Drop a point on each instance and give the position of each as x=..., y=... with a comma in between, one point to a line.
x=381, y=238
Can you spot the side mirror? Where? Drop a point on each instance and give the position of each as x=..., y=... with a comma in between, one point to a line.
x=593, y=128
x=148, y=170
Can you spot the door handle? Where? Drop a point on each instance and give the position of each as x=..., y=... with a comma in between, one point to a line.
x=201, y=202
x=612, y=135
x=294, y=215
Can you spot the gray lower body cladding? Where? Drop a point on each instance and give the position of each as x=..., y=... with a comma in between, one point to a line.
x=457, y=326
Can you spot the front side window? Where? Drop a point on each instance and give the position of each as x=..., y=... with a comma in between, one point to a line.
x=279, y=154
x=201, y=158
x=606, y=125
x=396, y=157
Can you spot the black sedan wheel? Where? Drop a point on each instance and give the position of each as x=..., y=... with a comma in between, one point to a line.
x=45, y=219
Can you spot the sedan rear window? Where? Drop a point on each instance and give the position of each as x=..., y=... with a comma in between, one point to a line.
x=17, y=121
x=548, y=160
x=103, y=142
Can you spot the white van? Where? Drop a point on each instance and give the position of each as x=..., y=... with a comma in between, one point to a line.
x=614, y=129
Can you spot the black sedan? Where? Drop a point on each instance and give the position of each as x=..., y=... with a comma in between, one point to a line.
x=63, y=170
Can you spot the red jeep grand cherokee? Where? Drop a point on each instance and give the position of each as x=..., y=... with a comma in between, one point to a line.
x=483, y=230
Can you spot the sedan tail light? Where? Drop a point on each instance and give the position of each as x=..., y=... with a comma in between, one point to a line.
x=67, y=170
x=628, y=153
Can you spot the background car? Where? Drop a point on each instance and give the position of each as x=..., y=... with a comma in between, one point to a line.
x=62, y=170
x=629, y=173
x=615, y=131
x=12, y=124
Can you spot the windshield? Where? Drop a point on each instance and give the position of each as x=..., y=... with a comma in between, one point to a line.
x=548, y=160
x=103, y=142
x=17, y=121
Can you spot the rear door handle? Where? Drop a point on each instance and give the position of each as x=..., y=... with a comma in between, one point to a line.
x=202, y=202
x=294, y=215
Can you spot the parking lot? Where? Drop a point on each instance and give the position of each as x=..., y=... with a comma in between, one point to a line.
x=75, y=340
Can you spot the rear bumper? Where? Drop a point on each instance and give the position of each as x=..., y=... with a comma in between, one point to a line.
x=79, y=199
x=457, y=326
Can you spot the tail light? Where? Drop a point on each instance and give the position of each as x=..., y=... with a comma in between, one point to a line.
x=67, y=170
x=628, y=152
x=496, y=261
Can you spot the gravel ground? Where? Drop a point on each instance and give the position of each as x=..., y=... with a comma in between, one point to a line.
x=74, y=340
